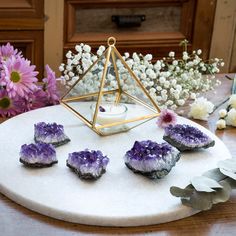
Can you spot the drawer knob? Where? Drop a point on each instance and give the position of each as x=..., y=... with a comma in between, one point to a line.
x=128, y=20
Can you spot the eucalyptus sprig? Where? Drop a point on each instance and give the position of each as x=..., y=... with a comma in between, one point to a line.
x=213, y=187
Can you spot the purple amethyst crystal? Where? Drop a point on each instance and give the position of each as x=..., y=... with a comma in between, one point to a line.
x=151, y=159
x=38, y=155
x=88, y=164
x=102, y=109
x=50, y=133
x=186, y=137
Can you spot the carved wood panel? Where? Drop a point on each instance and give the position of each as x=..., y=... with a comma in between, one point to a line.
x=175, y=20
x=22, y=24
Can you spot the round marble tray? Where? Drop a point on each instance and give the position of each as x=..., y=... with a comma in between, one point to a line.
x=119, y=197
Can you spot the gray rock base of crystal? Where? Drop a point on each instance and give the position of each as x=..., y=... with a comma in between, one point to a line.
x=37, y=164
x=55, y=144
x=181, y=147
x=155, y=174
x=87, y=176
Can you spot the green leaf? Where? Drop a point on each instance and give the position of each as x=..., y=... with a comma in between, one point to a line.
x=199, y=201
x=221, y=195
x=228, y=173
x=179, y=192
x=231, y=182
x=214, y=174
x=204, y=184
x=228, y=164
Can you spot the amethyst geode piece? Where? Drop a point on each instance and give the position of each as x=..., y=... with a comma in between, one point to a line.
x=186, y=137
x=151, y=159
x=38, y=155
x=52, y=133
x=88, y=164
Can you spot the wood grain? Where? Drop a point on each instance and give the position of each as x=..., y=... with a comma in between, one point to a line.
x=220, y=220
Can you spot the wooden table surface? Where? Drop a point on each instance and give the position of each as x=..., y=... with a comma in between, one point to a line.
x=16, y=220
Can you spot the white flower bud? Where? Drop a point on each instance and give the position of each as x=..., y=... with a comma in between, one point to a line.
x=171, y=54
x=69, y=54
x=222, y=113
x=148, y=57
x=175, y=62
x=232, y=101
x=126, y=54
x=221, y=124
x=199, y=51
x=87, y=48
x=78, y=48
x=231, y=117
x=61, y=67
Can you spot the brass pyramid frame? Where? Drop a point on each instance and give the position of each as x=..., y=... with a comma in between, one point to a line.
x=110, y=53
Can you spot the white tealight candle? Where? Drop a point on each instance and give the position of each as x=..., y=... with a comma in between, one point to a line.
x=110, y=113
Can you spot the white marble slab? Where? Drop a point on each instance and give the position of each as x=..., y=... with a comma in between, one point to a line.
x=119, y=197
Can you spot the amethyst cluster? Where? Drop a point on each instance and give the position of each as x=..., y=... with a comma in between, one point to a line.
x=50, y=133
x=38, y=155
x=186, y=137
x=88, y=164
x=151, y=159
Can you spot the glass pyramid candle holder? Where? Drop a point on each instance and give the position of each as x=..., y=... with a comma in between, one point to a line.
x=100, y=97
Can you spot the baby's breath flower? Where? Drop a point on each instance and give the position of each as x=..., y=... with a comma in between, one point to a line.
x=171, y=54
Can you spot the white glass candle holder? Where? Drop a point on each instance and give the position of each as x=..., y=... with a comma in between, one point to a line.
x=109, y=113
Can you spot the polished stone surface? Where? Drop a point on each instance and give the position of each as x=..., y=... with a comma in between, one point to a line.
x=119, y=198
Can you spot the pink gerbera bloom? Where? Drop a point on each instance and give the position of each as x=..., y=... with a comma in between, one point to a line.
x=18, y=76
x=167, y=117
x=36, y=100
x=9, y=106
x=6, y=51
x=50, y=86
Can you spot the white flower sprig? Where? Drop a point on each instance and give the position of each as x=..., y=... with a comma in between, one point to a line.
x=201, y=108
x=170, y=81
x=228, y=116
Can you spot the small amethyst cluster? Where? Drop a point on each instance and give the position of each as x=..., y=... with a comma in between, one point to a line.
x=151, y=159
x=50, y=133
x=186, y=137
x=88, y=164
x=38, y=155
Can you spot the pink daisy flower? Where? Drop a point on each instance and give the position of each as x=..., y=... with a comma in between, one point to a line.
x=50, y=86
x=6, y=51
x=8, y=106
x=167, y=117
x=18, y=76
x=34, y=100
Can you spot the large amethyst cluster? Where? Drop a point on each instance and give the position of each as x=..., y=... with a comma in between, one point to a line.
x=52, y=133
x=151, y=159
x=88, y=164
x=38, y=155
x=186, y=137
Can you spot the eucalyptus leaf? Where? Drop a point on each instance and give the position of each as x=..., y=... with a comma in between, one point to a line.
x=221, y=195
x=214, y=174
x=204, y=184
x=228, y=173
x=179, y=192
x=228, y=164
x=231, y=182
x=199, y=201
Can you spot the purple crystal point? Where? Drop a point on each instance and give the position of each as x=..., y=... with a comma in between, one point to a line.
x=186, y=137
x=50, y=133
x=102, y=109
x=38, y=155
x=88, y=164
x=151, y=159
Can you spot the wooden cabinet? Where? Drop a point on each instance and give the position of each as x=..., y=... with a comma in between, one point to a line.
x=22, y=24
x=148, y=26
